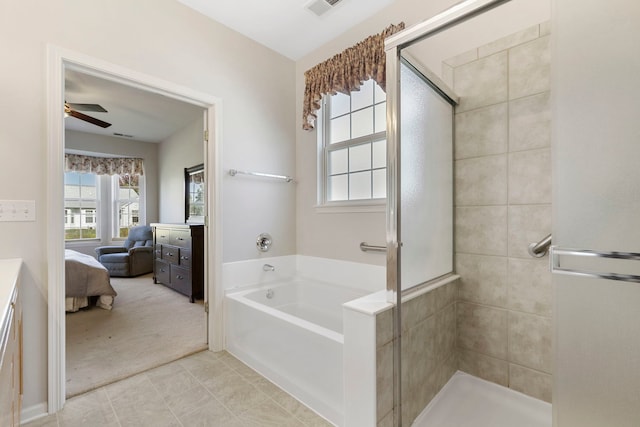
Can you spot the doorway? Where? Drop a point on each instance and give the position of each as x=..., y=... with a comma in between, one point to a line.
x=61, y=61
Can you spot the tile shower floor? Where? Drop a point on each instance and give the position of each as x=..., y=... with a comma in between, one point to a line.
x=467, y=401
x=204, y=389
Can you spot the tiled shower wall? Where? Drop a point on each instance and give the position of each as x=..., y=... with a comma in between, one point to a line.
x=503, y=203
x=428, y=352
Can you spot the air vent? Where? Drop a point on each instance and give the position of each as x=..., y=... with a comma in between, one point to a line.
x=320, y=7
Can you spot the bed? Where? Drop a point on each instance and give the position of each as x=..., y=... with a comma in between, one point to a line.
x=85, y=277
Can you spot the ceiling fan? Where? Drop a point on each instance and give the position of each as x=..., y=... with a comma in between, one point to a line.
x=71, y=109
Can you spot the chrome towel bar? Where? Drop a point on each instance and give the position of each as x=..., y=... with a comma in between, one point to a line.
x=234, y=172
x=364, y=247
x=541, y=248
x=556, y=253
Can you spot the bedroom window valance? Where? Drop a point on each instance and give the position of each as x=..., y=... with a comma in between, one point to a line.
x=103, y=165
x=345, y=72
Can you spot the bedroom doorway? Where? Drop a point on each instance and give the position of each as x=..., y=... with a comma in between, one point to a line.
x=139, y=299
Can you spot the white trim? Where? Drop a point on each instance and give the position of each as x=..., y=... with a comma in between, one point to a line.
x=33, y=413
x=59, y=59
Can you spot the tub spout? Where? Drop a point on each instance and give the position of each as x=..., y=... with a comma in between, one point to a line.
x=268, y=267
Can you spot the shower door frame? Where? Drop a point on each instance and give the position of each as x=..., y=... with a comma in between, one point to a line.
x=394, y=45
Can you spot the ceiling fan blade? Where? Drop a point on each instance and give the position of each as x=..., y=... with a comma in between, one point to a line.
x=87, y=107
x=89, y=119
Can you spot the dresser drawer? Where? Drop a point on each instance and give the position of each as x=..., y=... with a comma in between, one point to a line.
x=181, y=238
x=185, y=258
x=157, y=252
x=170, y=254
x=163, y=235
x=162, y=271
x=181, y=279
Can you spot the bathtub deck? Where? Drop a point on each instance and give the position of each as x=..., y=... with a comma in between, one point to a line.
x=467, y=401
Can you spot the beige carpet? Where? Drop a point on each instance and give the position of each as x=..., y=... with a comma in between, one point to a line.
x=149, y=325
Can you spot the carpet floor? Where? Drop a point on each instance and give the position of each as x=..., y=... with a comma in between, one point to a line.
x=149, y=325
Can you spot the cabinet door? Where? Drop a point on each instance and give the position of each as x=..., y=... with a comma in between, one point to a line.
x=6, y=373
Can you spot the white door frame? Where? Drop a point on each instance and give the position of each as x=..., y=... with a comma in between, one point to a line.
x=59, y=59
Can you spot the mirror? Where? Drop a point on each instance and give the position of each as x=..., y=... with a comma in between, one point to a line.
x=194, y=194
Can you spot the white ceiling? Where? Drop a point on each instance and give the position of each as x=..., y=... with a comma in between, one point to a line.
x=145, y=116
x=286, y=26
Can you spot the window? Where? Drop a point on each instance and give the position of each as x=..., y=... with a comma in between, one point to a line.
x=354, y=146
x=81, y=199
x=101, y=206
x=126, y=191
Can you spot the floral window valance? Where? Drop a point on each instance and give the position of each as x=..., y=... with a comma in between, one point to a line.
x=345, y=72
x=103, y=165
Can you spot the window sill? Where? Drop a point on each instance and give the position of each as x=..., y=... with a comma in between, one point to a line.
x=366, y=206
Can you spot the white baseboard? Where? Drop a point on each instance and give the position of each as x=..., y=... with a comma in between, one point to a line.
x=33, y=412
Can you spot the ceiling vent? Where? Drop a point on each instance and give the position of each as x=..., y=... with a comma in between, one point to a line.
x=320, y=7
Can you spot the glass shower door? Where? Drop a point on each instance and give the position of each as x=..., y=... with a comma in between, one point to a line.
x=426, y=180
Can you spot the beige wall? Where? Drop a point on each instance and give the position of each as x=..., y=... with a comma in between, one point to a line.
x=183, y=149
x=169, y=41
x=503, y=203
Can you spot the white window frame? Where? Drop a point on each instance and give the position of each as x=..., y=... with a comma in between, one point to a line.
x=324, y=148
x=107, y=211
x=114, y=203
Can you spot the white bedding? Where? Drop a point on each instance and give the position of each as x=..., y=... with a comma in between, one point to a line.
x=86, y=277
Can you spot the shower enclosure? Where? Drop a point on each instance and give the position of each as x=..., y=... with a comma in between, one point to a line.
x=428, y=187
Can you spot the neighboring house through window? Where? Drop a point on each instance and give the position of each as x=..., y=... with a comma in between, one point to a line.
x=353, y=147
x=101, y=206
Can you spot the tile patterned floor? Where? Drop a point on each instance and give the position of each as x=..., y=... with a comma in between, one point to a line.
x=204, y=389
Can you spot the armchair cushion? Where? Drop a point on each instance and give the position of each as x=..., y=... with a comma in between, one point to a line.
x=133, y=258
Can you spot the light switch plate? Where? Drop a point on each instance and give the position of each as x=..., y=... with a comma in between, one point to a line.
x=17, y=210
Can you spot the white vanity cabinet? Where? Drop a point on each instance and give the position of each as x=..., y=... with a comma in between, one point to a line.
x=10, y=342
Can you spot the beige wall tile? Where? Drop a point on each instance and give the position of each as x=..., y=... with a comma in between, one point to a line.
x=384, y=380
x=384, y=327
x=530, y=177
x=481, y=230
x=530, y=288
x=482, y=132
x=482, y=82
x=530, y=382
x=527, y=224
x=530, y=341
x=482, y=329
x=417, y=309
x=481, y=181
x=463, y=58
x=483, y=279
x=485, y=367
x=446, y=323
x=445, y=295
x=511, y=40
x=529, y=68
x=387, y=421
x=530, y=122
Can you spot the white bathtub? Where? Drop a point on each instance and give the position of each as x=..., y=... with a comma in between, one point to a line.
x=292, y=333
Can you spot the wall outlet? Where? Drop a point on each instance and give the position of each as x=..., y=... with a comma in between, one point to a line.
x=17, y=210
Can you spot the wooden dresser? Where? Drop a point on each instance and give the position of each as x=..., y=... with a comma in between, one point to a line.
x=10, y=342
x=179, y=258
